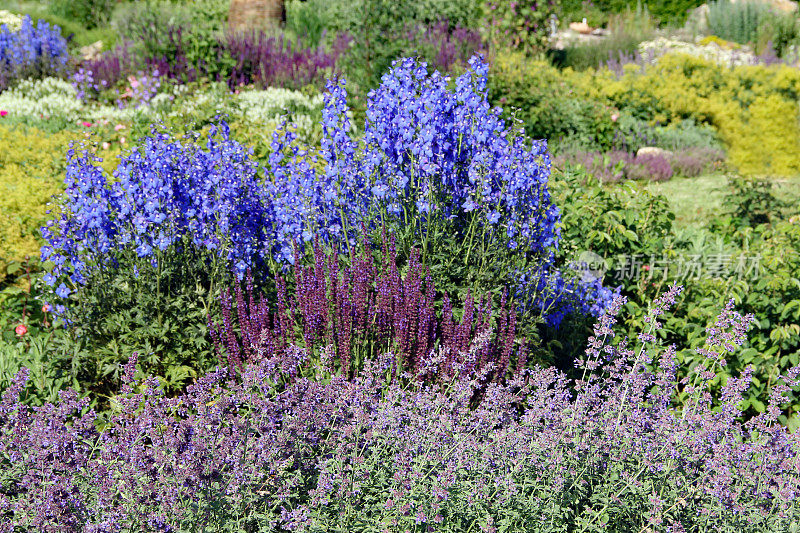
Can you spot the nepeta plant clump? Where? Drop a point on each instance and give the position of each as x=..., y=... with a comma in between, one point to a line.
x=32, y=51
x=275, y=450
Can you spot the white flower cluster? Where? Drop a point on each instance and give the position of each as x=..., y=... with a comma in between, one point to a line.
x=271, y=104
x=652, y=50
x=265, y=107
x=45, y=98
x=269, y=108
x=54, y=98
x=14, y=22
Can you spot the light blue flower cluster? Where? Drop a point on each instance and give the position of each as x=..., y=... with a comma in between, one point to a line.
x=548, y=292
x=163, y=193
x=426, y=150
x=31, y=52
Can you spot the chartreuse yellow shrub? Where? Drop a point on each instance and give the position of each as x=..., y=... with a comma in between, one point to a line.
x=767, y=140
x=32, y=165
x=722, y=43
x=754, y=108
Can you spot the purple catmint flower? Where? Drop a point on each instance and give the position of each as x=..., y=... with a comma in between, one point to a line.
x=278, y=450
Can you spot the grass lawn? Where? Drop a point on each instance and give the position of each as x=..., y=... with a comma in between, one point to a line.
x=695, y=200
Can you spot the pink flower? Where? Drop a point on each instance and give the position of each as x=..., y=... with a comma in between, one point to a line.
x=86, y=124
x=119, y=127
x=21, y=330
x=614, y=117
x=46, y=308
x=122, y=140
x=3, y=112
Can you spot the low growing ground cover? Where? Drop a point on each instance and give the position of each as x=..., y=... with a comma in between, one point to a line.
x=273, y=450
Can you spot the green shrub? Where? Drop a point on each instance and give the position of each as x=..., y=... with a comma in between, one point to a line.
x=738, y=22
x=754, y=108
x=536, y=94
x=385, y=30
x=187, y=39
x=89, y=13
x=161, y=314
x=736, y=256
x=750, y=203
x=667, y=11
x=686, y=134
x=781, y=32
x=74, y=30
x=40, y=346
x=32, y=167
x=767, y=287
x=349, y=15
x=551, y=106
x=523, y=25
x=614, y=223
x=307, y=20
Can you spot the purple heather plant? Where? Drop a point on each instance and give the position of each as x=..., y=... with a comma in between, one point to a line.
x=607, y=167
x=616, y=165
x=31, y=52
x=653, y=167
x=276, y=451
x=105, y=72
x=275, y=62
x=692, y=162
x=445, y=47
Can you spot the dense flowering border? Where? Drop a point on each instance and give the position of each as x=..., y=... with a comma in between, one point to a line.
x=430, y=156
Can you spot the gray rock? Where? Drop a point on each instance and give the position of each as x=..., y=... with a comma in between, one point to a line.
x=652, y=150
